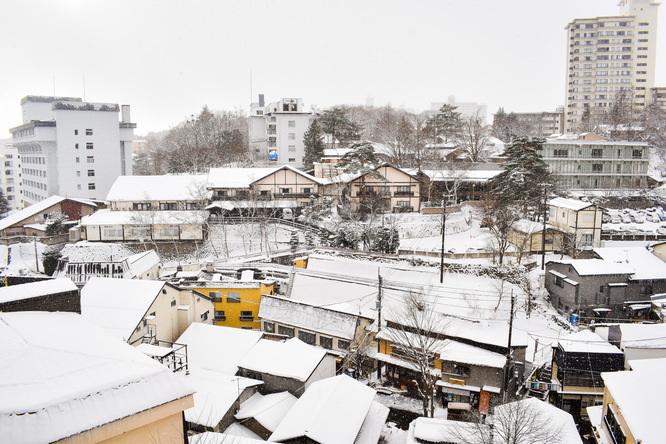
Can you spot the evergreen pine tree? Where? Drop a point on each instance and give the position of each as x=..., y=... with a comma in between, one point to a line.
x=524, y=176
x=313, y=139
x=4, y=204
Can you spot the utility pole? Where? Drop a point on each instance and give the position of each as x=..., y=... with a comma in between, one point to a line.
x=441, y=258
x=379, y=320
x=543, y=233
x=507, y=367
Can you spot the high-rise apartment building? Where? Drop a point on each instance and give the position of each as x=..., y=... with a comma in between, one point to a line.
x=72, y=148
x=610, y=59
x=277, y=129
x=10, y=178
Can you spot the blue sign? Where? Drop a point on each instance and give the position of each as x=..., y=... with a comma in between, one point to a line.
x=272, y=155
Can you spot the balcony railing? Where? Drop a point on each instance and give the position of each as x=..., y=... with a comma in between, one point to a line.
x=403, y=194
x=403, y=209
x=247, y=318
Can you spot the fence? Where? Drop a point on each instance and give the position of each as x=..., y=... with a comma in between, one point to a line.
x=47, y=240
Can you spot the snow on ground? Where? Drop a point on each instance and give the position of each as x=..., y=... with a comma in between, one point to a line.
x=22, y=259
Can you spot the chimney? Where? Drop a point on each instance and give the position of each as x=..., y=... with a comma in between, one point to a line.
x=261, y=100
x=125, y=114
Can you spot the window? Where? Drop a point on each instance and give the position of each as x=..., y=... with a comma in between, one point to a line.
x=291, y=136
x=141, y=206
x=269, y=327
x=89, y=145
x=292, y=148
x=292, y=159
x=597, y=167
x=344, y=345
x=173, y=303
x=307, y=337
x=614, y=427
x=76, y=132
x=89, y=159
x=597, y=152
x=326, y=342
x=246, y=316
x=169, y=231
x=165, y=206
x=77, y=160
x=559, y=281
x=140, y=232
x=89, y=132
x=76, y=146
x=292, y=124
x=113, y=232
x=78, y=187
x=78, y=174
x=287, y=331
x=204, y=316
x=285, y=190
x=219, y=315
x=91, y=186
x=455, y=368
x=233, y=297
x=191, y=206
x=618, y=168
x=560, y=153
x=637, y=154
x=306, y=190
x=91, y=173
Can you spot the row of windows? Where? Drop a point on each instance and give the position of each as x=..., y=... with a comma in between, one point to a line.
x=34, y=184
x=89, y=132
x=34, y=196
x=598, y=153
x=89, y=146
x=163, y=206
x=245, y=316
x=89, y=159
x=31, y=172
x=118, y=232
x=91, y=173
x=306, y=336
x=37, y=160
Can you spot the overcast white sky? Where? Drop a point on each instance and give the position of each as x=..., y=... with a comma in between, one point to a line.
x=168, y=58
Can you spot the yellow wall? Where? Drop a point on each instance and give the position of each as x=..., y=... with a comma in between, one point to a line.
x=249, y=301
x=300, y=262
x=608, y=400
x=161, y=424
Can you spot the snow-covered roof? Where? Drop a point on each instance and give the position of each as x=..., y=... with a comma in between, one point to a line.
x=318, y=319
x=230, y=205
x=235, y=433
x=111, y=217
x=643, y=335
x=36, y=208
x=594, y=267
x=645, y=265
x=464, y=175
x=118, y=305
x=629, y=389
x=292, y=358
x=569, y=204
x=531, y=227
x=468, y=354
x=141, y=262
x=331, y=410
x=230, y=345
x=62, y=375
x=167, y=187
x=371, y=429
x=36, y=289
x=440, y=430
x=236, y=177
x=547, y=415
x=215, y=395
x=85, y=251
x=267, y=410
x=586, y=341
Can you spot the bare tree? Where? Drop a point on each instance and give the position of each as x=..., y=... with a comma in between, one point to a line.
x=472, y=137
x=500, y=219
x=414, y=335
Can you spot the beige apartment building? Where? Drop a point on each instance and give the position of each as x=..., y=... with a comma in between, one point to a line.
x=608, y=58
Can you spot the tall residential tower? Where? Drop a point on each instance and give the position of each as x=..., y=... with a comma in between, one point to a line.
x=72, y=148
x=610, y=59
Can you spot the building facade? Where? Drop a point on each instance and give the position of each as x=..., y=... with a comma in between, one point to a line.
x=542, y=124
x=72, y=148
x=276, y=131
x=610, y=59
x=10, y=178
x=580, y=164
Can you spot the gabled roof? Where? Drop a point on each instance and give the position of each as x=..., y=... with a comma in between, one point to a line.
x=230, y=345
x=291, y=168
x=331, y=410
x=587, y=342
x=267, y=410
x=142, y=218
x=236, y=177
x=569, y=204
x=167, y=187
x=350, y=177
x=36, y=289
x=62, y=375
x=36, y=208
x=596, y=267
x=644, y=264
x=292, y=358
x=561, y=422
x=118, y=305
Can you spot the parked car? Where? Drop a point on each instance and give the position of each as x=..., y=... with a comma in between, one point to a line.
x=615, y=219
x=638, y=218
x=625, y=218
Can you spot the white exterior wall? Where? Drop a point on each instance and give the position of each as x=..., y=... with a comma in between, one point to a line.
x=51, y=166
x=10, y=181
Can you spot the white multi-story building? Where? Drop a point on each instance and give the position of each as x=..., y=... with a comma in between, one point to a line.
x=611, y=59
x=277, y=129
x=466, y=109
x=72, y=148
x=10, y=179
